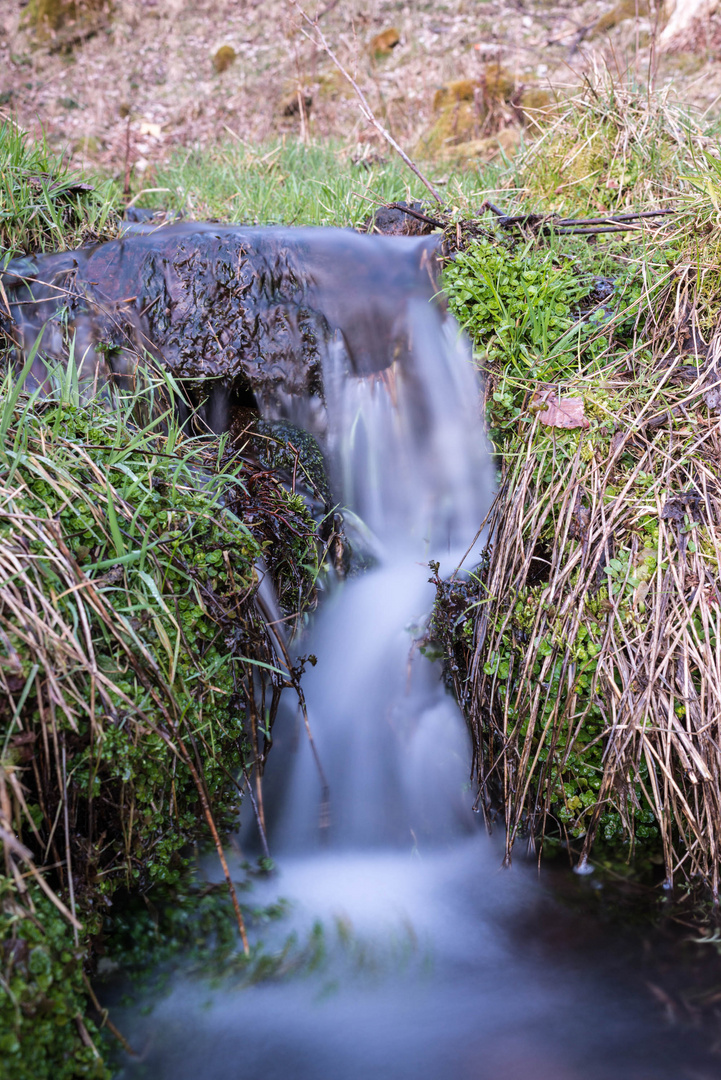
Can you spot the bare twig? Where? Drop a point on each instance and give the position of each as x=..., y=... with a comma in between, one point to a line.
x=547, y=223
x=365, y=107
x=416, y=214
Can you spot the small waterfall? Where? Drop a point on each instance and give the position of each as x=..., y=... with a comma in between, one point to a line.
x=428, y=961
x=408, y=455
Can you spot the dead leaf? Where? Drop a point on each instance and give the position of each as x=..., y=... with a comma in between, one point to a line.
x=580, y=520
x=677, y=506
x=565, y=413
x=618, y=441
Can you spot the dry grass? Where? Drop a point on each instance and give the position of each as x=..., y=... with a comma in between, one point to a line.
x=589, y=642
x=655, y=676
x=130, y=646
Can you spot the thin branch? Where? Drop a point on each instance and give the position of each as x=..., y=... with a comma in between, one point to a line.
x=365, y=107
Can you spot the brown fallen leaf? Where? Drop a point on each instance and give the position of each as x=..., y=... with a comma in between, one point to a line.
x=566, y=413
x=618, y=441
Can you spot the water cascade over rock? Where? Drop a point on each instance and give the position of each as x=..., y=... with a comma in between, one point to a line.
x=423, y=971
x=238, y=316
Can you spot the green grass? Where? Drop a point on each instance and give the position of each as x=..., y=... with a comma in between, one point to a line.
x=129, y=654
x=587, y=641
x=44, y=206
x=295, y=184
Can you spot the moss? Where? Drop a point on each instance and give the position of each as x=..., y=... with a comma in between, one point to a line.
x=147, y=579
x=625, y=9
x=65, y=22
x=43, y=1027
x=384, y=43
x=474, y=118
x=223, y=58
x=474, y=151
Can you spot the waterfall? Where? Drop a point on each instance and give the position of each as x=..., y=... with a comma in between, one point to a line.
x=416, y=955
x=408, y=456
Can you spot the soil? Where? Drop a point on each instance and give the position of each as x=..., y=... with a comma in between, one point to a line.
x=130, y=87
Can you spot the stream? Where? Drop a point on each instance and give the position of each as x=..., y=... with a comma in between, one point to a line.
x=430, y=961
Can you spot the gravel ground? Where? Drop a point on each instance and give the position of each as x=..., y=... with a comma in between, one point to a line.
x=144, y=82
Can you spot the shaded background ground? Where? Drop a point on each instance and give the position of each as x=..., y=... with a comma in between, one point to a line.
x=127, y=86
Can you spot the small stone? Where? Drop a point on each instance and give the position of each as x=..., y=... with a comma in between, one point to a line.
x=223, y=58
x=384, y=43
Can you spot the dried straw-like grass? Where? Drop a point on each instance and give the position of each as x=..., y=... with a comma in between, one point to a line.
x=593, y=680
x=130, y=647
x=586, y=649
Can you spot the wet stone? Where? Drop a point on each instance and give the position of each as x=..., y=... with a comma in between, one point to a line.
x=240, y=317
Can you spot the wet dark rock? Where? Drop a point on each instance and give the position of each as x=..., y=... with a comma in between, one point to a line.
x=602, y=289
x=395, y=221
x=240, y=317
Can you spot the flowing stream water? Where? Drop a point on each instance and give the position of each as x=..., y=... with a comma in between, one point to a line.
x=423, y=971
x=428, y=960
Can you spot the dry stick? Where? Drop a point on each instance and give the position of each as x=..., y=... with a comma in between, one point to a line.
x=126, y=178
x=365, y=107
x=260, y=824
x=416, y=214
x=69, y=865
x=106, y=1021
x=200, y=788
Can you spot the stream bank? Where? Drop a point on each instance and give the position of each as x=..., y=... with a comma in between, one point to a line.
x=520, y=358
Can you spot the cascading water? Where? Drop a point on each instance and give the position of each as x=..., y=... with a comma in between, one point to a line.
x=428, y=961
x=408, y=453
x=373, y=832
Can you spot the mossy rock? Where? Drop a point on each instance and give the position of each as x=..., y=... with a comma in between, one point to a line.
x=333, y=85
x=538, y=106
x=223, y=58
x=384, y=43
x=283, y=447
x=66, y=21
x=474, y=151
x=454, y=92
x=469, y=110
